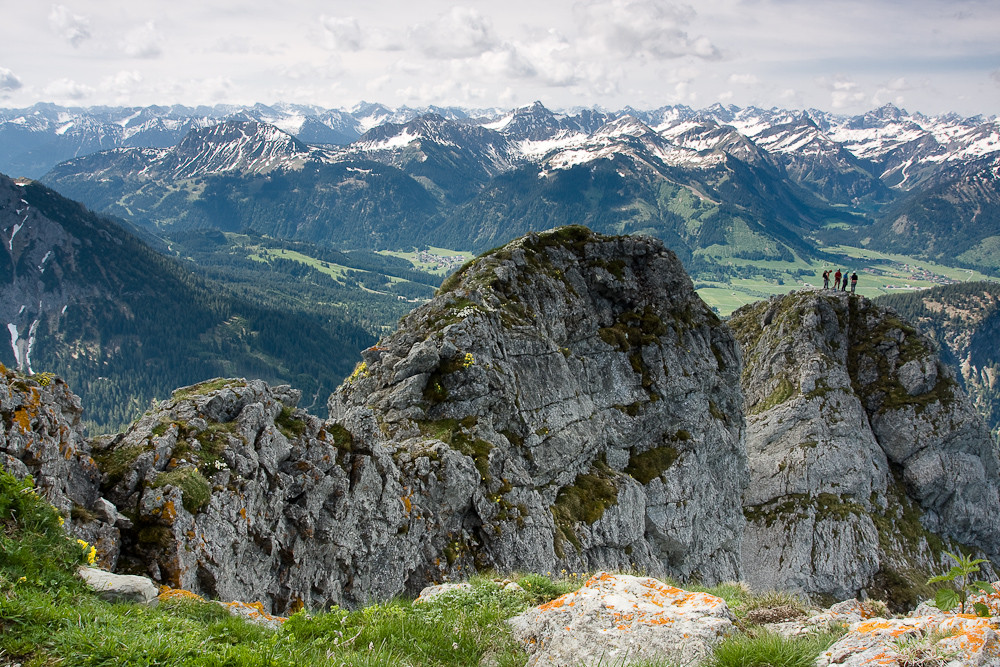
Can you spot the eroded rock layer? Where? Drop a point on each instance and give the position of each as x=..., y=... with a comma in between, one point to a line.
x=866, y=459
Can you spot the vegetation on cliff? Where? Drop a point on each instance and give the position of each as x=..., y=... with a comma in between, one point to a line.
x=49, y=616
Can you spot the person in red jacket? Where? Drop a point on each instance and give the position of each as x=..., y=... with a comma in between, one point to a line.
x=836, y=280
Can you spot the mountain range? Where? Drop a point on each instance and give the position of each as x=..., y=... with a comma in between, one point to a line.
x=716, y=184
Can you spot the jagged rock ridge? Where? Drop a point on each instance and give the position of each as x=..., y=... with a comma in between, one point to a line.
x=866, y=458
x=567, y=402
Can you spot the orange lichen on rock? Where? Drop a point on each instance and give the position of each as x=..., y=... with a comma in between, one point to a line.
x=167, y=593
x=253, y=611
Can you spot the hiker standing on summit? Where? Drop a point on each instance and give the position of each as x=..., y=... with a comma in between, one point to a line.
x=826, y=279
x=836, y=280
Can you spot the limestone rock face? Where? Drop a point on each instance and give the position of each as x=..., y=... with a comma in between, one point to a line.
x=567, y=402
x=592, y=394
x=41, y=436
x=621, y=620
x=863, y=450
x=237, y=495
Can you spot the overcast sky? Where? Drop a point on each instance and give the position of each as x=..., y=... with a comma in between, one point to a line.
x=845, y=56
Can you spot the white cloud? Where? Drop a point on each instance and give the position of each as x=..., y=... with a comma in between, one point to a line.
x=890, y=92
x=143, y=42
x=461, y=33
x=995, y=75
x=8, y=80
x=121, y=85
x=508, y=62
x=643, y=28
x=744, y=79
x=241, y=46
x=342, y=33
x=71, y=27
x=67, y=90
x=844, y=93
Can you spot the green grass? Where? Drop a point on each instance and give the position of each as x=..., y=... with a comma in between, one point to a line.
x=335, y=271
x=435, y=267
x=766, y=649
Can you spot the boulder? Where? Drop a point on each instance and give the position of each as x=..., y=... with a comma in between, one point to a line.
x=621, y=620
x=926, y=636
x=119, y=587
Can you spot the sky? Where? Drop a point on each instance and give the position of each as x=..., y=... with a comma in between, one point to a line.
x=842, y=56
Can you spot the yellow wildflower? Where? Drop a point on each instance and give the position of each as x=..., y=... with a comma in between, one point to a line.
x=89, y=552
x=468, y=361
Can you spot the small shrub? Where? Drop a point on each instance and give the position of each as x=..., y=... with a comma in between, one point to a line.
x=196, y=492
x=290, y=426
x=949, y=598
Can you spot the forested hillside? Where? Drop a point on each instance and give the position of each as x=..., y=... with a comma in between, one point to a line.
x=123, y=324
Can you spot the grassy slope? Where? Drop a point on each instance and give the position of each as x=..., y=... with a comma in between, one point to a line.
x=48, y=617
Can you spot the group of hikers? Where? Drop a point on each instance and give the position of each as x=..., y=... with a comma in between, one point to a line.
x=839, y=280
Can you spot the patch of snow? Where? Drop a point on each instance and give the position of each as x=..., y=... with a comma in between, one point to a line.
x=12, y=328
x=562, y=141
x=17, y=228
x=31, y=343
x=500, y=123
x=64, y=128
x=401, y=140
x=125, y=121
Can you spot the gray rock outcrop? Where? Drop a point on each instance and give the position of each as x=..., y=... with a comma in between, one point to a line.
x=41, y=436
x=564, y=402
x=866, y=459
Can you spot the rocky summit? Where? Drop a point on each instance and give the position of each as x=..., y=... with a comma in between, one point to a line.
x=866, y=458
x=565, y=402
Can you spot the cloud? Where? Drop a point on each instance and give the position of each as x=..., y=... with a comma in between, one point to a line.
x=66, y=89
x=995, y=75
x=8, y=80
x=241, y=46
x=745, y=79
x=342, y=34
x=643, y=28
x=508, y=61
x=74, y=29
x=890, y=92
x=844, y=93
x=461, y=33
x=143, y=42
x=121, y=85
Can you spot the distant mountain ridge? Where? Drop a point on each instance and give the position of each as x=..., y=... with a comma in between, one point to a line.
x=719, y=182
